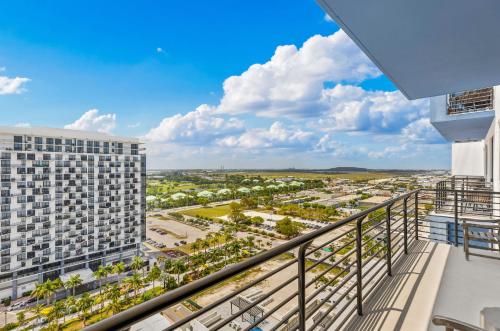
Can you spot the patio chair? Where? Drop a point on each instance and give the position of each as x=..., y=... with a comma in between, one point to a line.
x=480, y=232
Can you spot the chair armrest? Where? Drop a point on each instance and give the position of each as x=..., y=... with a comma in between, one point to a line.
x=450, y=323
x=483, y=226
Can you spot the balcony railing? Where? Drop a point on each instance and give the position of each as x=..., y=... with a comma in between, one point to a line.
x=470, y=101
x=369, y=244
x=473, y=195
x=327, y=281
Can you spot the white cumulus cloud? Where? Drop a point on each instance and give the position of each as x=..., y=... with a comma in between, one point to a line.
x=92, y=121
x=422, y=131
x=13, y=85
x=291, y=83
x=390, y=151
x=351, y=108
x=198, y=126
x=277, y=136
x=315, y=95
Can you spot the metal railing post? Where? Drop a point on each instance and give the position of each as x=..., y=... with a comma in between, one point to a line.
x=416, y=215
x=405, y=225
x=359, y=265
x=455, y=193
x=389, y=248
x=302, y=285
x=462, y=199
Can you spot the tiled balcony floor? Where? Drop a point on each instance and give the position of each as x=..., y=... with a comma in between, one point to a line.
x=433, y=279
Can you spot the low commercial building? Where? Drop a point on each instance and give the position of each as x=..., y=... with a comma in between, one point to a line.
x=373, y=201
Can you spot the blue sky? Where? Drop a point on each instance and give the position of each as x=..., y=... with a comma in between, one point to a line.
x=264, y=84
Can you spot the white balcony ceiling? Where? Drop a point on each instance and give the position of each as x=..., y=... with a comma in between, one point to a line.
x=426, y=47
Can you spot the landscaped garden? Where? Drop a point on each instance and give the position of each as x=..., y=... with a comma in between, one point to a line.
x=115, y=293
x=179, y=191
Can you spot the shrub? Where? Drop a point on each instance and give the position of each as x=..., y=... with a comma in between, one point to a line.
x=9, y=326
x=27, y=293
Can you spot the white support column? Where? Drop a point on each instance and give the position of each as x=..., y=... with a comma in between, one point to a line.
x=496, y=141
x=496, y=150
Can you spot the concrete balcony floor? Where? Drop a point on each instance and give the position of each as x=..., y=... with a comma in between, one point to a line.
x=434, y=279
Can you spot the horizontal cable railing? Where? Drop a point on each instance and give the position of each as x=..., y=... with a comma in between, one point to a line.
x=443, y=212
x=465, y=183
x=322, y=279
x=470, y=101
x=318, y=280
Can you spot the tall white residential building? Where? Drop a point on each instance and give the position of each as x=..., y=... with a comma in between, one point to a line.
x=70, y=200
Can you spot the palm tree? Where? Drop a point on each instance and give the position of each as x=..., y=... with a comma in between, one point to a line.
x=83, y=305
x=168, y=281
x=113, y=292
x=228, y=237
x=99, y=274
x=236, y=248
x=73, y=282
x=37, y=311
x=58, y=283
x=178, y=268
x=137, y=264
x=6, y=302
x=69, y=304
x=115, y=306
x=133, y=282
x=171, y=283
x=108, y=269
x=49, y=289
x=167, y=265
x=216, y=239
x=57, y=312
x=195, y=246
x=38, y=292
x=205, y=244
x=21, y=319
x=250, y=242
x=118, y=269
x=154, y=274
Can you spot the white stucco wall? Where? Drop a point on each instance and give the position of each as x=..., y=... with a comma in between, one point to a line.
x=468, y=158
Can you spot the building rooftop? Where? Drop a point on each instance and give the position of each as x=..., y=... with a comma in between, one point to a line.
x=376, y=199
x=155, y=322
x=64, y=133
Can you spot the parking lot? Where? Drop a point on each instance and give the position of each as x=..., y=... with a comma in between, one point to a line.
x=165, y=233
x=270, y=219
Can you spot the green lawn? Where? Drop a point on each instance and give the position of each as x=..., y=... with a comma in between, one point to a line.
x=168, y=186
x=208, y=211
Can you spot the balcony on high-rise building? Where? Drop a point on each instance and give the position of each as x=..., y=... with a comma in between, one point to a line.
x=392, y=267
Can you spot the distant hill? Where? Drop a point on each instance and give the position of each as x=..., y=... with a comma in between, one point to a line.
x=346, y=169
